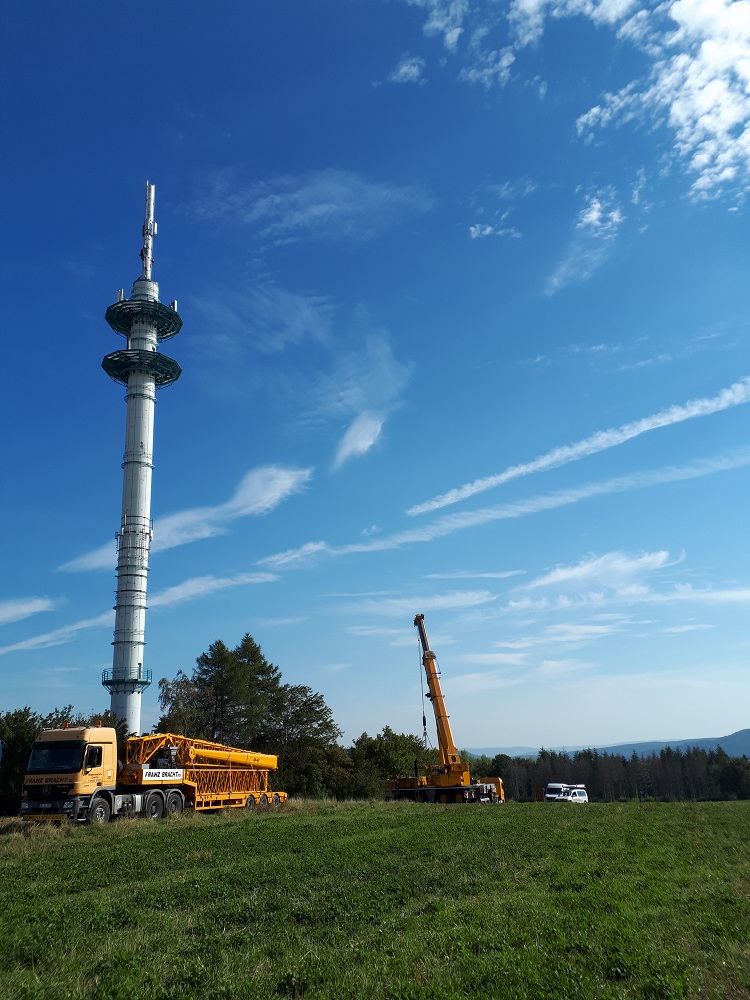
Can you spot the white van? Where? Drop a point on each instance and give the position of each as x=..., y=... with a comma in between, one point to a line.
x=558, y=792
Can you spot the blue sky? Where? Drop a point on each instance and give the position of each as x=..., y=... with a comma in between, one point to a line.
x=464, y=291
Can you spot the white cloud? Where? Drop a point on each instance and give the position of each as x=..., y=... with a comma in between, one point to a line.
x=599, y=217
x=631, y=596
x=449, y=524
x=263, y=489
x=444, y=18
x=479, y=232
x=409, y=70
x=527, y=20
x=365, y=386
x=360, y=381
x=266, y=319
x=402, y=607
x=105, y=557
x=376, y=632
x=595, y=228
x=495, y=659
x=572, y=632
x=482, y=230
x=361, y=435
x=470, y=574
x=706, y=595
x=259, y=492
x=61, y=635
x=200, y=586
x=171, y=596
x=508, y=191
x=515, y=190
x=490, y=680
x=561, y=668
x=489, y=68
x=734, y=395
x=16, y=609
x=527, y=17
x=365, y=379
x=699, y=87
x=301, y=556
x=327, y=204
x=563, y=498
x=613, y=570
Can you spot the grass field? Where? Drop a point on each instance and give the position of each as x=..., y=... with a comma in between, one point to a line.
x=383, y=901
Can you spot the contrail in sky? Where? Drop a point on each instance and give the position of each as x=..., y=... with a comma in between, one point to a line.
x=448, y=524
x=734, y=395
x=441, y=527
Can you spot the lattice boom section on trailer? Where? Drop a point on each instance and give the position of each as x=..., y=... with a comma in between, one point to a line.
x=184, y=751
x=212, y=775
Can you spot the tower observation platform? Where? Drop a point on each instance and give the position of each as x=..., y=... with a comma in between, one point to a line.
x=145, y=322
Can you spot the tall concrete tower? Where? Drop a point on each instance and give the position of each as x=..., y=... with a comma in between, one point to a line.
x=144, y=321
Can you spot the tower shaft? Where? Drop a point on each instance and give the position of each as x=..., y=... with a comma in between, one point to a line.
x=134, y=538
x=144, y=321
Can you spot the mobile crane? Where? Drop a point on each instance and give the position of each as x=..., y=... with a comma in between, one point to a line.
x=74, y=775
x=450, y=780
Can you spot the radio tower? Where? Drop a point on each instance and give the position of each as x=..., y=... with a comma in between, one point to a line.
x=144, y=322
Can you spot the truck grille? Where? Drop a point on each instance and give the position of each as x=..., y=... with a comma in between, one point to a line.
x=48, y=792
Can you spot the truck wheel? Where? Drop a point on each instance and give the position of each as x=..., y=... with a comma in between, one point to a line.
x=276, y=800
x=153, y=807
x=174, y=804
x=251, y=803
x=99, y=812
x=263, y=801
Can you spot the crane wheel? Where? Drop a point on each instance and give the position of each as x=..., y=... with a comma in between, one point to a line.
x=263, y=803
x=276, y=800
x=153, y=807
x=251, y=803
x=174, y=804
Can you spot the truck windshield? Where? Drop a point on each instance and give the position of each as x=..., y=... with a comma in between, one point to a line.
x=57, y=757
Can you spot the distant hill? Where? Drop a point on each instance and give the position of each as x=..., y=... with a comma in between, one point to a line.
x=736, y=745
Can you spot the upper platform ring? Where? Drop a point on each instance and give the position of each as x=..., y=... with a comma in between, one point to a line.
x=122, y=315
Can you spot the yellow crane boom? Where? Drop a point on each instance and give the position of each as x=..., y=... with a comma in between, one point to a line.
x=448, y=751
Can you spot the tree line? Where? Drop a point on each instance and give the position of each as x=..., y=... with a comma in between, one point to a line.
x=235, y=696
x=671, y=775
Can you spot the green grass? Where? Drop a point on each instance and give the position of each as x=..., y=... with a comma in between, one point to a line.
x=396, y=901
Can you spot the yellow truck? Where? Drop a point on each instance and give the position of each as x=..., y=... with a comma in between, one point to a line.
x=75, y=775
x=449, y=781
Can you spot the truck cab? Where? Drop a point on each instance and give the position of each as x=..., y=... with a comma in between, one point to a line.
x=66, y=769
